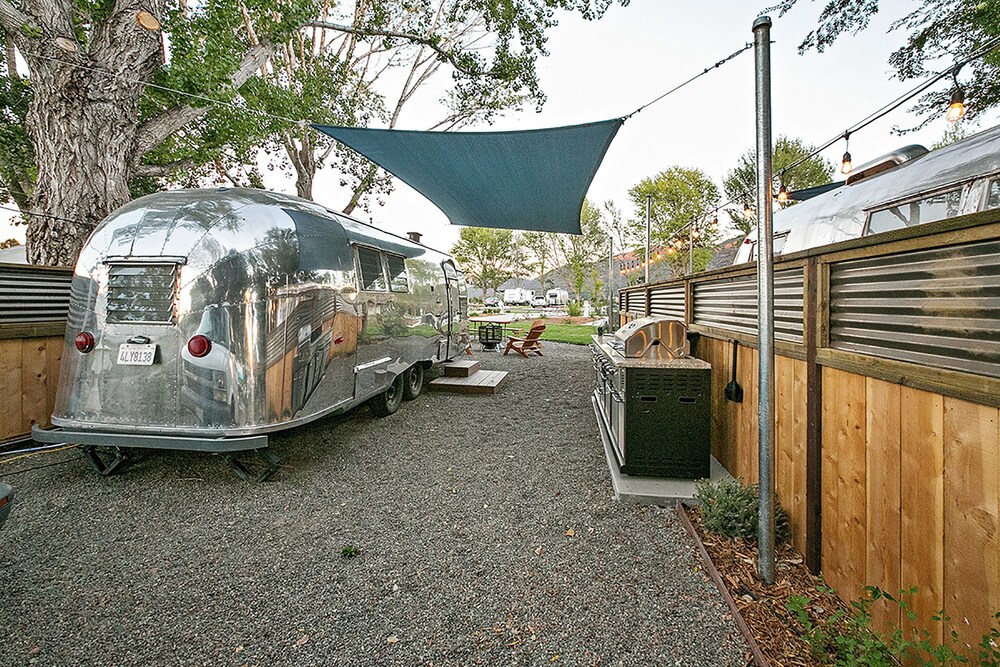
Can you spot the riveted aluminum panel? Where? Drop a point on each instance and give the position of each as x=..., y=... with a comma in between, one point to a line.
x=28, y=294
x=731, y=304
x=938, y=307
x=668, y=301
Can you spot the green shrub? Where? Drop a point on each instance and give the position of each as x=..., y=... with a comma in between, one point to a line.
x=574, y=309
x=846, y=638
x=350, y=551
x=730, y=509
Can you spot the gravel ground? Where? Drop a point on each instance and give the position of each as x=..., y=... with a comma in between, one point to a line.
x=487, y=529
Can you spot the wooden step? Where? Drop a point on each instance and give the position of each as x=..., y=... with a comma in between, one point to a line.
x=461, y=369
x=482, y=382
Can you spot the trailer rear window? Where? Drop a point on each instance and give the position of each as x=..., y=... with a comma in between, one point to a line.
x=141, y=293
x=370, y=267
x=398, y=280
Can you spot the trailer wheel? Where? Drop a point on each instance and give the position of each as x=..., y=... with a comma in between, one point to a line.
x=413, y=382
x=388, y=401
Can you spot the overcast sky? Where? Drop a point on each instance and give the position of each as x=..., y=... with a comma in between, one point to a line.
x=605, y=69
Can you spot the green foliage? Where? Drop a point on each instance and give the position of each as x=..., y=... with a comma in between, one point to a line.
x=574, y=309
x=486, y=256
x=580, y=251
x=350, y=551
x=730, y=509
x=847, y=638
x=680, y=196
x=743, y=178
x=17, y=156
x=939, y=31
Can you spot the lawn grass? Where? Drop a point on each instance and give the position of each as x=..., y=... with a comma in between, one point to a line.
x=576, y=334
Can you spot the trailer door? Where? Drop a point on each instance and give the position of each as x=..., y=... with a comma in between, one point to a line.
x=452, y=286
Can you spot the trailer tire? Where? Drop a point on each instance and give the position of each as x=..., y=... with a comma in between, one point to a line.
x=388, y=401
x=413, y=382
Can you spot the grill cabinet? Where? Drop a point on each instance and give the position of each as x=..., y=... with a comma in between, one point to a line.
x=654, y=409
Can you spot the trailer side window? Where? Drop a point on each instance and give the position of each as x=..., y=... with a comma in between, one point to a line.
x=370, y=270
x=994, y=197
x=917, y=212
x=398, y=280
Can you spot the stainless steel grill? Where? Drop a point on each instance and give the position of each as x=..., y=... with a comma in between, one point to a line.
x=652, y=399
x=652, y=338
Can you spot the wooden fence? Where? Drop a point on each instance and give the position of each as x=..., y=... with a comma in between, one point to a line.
x=33, y=306
x=887, y=388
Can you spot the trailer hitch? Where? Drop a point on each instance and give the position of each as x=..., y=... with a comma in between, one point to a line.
x=271, y=464
x=104, y=466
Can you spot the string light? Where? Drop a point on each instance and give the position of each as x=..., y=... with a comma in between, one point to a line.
x=956, y=108
x=782, y=194
x=747, y=211
x=845, y=164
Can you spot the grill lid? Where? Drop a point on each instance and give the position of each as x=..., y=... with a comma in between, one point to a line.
x=652, y=338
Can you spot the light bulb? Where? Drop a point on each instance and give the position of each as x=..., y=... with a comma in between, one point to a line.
x=845, y=165
x=956, y=109
x=782, y=194
x=747, y=212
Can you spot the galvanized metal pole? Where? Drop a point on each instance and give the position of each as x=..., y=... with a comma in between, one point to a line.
x=691, y=249
x=611, y=284
x=649, y=203
x=765, y=302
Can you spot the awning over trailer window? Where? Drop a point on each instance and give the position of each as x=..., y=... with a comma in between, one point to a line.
x=532, y=180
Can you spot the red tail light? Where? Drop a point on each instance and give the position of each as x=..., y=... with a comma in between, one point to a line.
x=84, y=341
x=199, y=346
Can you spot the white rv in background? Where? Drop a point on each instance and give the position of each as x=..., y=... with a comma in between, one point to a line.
x=516, y=296
x=557, y=297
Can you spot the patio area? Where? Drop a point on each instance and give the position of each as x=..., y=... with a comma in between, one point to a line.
x=487, y=529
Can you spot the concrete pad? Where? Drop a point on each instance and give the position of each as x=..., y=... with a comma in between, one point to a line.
x=652, y=490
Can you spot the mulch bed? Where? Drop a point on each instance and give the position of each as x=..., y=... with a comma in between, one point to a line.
x=763, y=607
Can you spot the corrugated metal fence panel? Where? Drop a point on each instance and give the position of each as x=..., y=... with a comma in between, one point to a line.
x=667, y=300
x=635, y=301
x=937, y=307
x=731, y=303
x=29, y=294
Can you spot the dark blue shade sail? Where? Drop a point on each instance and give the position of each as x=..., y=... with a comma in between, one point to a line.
x=533, y=180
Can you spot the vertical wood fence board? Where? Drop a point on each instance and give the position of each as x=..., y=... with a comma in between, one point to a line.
x=10, y=388
x=831, y=508
x=882, y=481
x=53, y=362
x=971, y=511
x=797, y=509
x=921, y=502
x=790, y=444
x=34, y=393
x=844, y=481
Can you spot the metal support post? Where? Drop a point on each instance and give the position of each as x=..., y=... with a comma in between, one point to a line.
x=649, y=203
x=611, y=284
x=691, y=249
x=765, y=301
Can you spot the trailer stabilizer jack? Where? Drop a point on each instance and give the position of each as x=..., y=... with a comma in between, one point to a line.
x=271, y=464
x=105, y=466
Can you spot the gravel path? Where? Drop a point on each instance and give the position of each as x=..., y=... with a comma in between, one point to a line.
x=487, y=529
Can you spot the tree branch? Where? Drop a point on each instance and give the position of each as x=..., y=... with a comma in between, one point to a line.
x=418, y=39
x=161, y=126
x=157, y=170
x=14, y=20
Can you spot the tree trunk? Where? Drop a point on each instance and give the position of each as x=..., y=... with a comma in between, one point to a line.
x=83, y=127
x=83, y=121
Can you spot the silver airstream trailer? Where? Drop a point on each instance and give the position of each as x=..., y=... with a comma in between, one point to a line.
x=908, y=187
x=206, y=319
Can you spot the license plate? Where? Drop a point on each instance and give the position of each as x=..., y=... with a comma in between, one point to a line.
x=136, y=354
